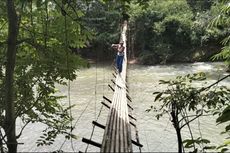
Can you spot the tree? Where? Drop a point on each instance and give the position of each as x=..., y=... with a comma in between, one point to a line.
x=45, y=37
x=161, y=31
x=9, y=122
x=38, y=56
x=184, y=103
x=105, y=19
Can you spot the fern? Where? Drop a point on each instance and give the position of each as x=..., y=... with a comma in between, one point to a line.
x=223, y=20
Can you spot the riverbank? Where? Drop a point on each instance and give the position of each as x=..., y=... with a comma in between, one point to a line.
x=192, y=55
x=198, y=54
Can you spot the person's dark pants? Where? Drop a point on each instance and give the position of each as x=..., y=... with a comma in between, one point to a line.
x=119, y=61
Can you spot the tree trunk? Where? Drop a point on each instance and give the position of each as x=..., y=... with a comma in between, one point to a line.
x=9, y=79
x=1, y=143
x=179, y=139
x=176, y=125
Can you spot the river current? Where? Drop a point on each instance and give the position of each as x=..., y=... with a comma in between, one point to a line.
x=156, y=135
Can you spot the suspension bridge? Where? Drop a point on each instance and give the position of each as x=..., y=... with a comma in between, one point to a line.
x=117, y=131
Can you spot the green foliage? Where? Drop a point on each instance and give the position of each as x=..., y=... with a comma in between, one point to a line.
x=189, y=101
x=189, y=143
x=222, y=21
x=174, y=31
x=57, y=124
x=199, y=6
x=224, y=117
x=45, y=57
x=105, y=20
x=161, y=28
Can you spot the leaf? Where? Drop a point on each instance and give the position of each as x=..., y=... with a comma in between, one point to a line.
x=227, y=142
x=221, y=146
x=163, y=82
x=158, y=116
x=225, y=116
x=189, y=143
x=224, y=150
x=205, y=141
x=227, y=128
x=158, y=96
x=209, y=147
x=226, y=40
x=157, y=92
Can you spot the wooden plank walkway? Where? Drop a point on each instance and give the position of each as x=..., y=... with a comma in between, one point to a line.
x=117, y=134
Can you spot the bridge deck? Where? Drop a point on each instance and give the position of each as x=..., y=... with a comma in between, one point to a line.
x=117, y=135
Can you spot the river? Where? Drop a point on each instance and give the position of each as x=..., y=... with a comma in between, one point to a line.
x=156, y=135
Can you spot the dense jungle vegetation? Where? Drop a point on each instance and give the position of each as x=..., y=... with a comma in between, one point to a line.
x=164, y=31
x=43, y=42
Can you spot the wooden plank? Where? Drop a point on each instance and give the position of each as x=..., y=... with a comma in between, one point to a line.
x=137, y=143
x=117, y=134
x=124, y=132
x=132, y=117
x=96, y=144
x=114, y=130
x=111, y=87
x=98, y=124
x=107, y=99
x=103, y=103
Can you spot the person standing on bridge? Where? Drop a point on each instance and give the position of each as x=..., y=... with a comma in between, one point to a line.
x=120, y=54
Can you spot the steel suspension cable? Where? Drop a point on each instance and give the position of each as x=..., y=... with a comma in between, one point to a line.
x=95, y=88
x=95, y=94
x=128, y=58
x=75, y=124
x=94, y=128
x=95, y=125
x=68, y=71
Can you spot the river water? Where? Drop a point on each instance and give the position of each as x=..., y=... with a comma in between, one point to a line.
x=156, y=135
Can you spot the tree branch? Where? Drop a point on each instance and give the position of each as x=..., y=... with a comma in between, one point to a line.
x=22, y=129
x=193, y=116
x=202, y=89
x=186, y=118
x=190, y=121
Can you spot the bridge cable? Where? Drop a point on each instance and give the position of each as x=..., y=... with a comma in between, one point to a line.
x=78, y=118
x=72, y=127
x=95, y=93
x=128, y=43
x=68, y=71
x=94, y=127
x=95, y=88
x=68, y=68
